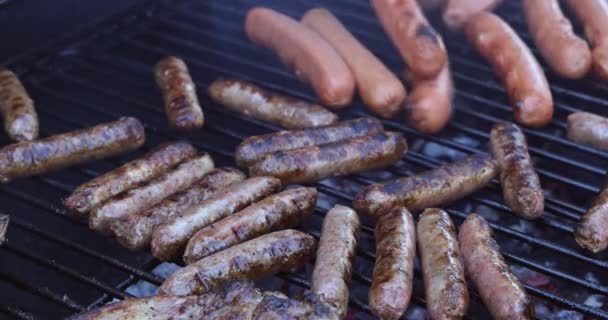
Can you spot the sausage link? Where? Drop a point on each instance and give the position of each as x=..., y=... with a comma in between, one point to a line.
x=457, y=12
x=333, y=159
x=521, y=187
x=276, y=212
x=170, y=238
x=135, y=231
x=179, y=92
x=592, y=230
x=499, y=289
x=588, y=128
x=314, y=60
x=520, y=72
x=593, y=14
x=266, y=255
x=17, y=108
x=333, y=266
x=445, y=286
x=30, y=158
x=391, y=289
x=430, y=188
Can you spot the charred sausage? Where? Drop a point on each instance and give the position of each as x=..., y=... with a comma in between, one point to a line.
x=594, y=17
x=499, y=289
x=588, y=128
x=391, y=289
x=314, y=60
x=17, y=108
x=333, y=159
x=30, y=158
x=520, y=72
x=135, y=231
x=170, y=238
x=457, y=12
x=266, y=255
x=279, y=211
x=592, y=230
x=335, y=254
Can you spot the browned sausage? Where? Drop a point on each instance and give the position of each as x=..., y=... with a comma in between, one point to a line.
x=94, y=192
x=520, y=184
x=255, y=148
x=287, y=112
x=457, y=12
x=30, y=158
x=428, y=5
x=314, y=60
x=283, y=210
x=135, y=231
x=17, y=108
x=588, y=128
x=333, y=159
x=178, y=89
x=391, y=289
x=263, y=256
x=594, y=17
x=170, y=238
x=335, y=254
x=499, y=289
x=417, y=41
x=446, y=291
x=520, y=72
x=592, y=230
x=378, y=87
x=430, y=188
x=566, y=53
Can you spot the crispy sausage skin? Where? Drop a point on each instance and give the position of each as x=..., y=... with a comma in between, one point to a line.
x=417, y=41
x=378, y=87
x=30, y=158
x=521, y=187
x=17, y=108
x=255, y=148
x=447, y=296
x=457, y=12
x=170, y=238
x=135, y=231
x=178, y=89
x=279, y=211
x=520, y=72
x=94, y=192
x=594, y=17
x=588, y=128
x=566, y=53
x=430, y=188
x=499, y=289
x=247, y=98
x=333, y=159
x=592, y=230
x=391, y=289
x=335, y=254
x=315, y=61
x=266, y=255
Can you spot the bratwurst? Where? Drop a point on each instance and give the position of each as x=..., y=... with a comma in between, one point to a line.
x=592, y=230
x=588, y=128
x=593, y=14
x=17, y=108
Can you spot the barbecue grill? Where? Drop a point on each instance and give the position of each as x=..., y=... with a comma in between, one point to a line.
x=52, y=266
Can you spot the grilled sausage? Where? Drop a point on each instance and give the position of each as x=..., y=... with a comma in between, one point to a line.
x=179, y=92
x=255, y=148
x=499, y=289
x=378, y=87
x=30, y=158
x=592, y=231
x=333, y=159
x=279, y=211
x=135, y=231
x=266, y=255
x=520, y=184
x=94, y=192
x=588, y=128
x=457, y=12
x=520, y=72
x=314, y=60
x=417, y=41
x=170, y=238
x=335, y=254
x=566, y=53
x=17, y=108
x=594, y=17
x=446, y=291
x=428, y=5
x=149, y=194
x=391, y=289
x=430, y=188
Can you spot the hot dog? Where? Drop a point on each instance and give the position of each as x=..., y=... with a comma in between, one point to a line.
x=17, y=108
x=588, y=128
x=594, y=17
x=592, y=230
x=457, y=12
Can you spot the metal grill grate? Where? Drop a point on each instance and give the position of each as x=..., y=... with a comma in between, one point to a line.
x=52, y=265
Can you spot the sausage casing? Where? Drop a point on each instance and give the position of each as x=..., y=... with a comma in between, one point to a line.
x=592, y=230
x=588, y=128
x=457, y=12
x=17, y=108
x=594, y=17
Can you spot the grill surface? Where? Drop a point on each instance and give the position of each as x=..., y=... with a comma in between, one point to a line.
x=52, y=265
